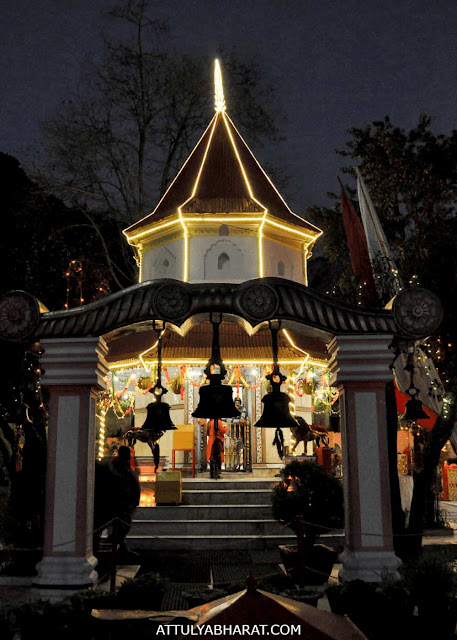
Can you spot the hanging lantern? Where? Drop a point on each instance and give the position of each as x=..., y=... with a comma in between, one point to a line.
x=216, y=399
x=276, y=412
x=414, y=410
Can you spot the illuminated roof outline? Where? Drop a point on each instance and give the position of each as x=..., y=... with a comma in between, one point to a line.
x=222, y=175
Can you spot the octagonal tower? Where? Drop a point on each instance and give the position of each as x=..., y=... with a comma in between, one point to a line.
x=222, y=219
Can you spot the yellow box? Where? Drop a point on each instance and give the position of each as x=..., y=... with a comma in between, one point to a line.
x=183, y=438
x=452, y=483
x=168, y=487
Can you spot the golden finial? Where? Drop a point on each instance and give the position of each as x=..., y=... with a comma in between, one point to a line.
x=219, y=100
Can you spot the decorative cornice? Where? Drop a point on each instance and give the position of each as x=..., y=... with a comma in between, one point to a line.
x=74, y=361
x=175, y=301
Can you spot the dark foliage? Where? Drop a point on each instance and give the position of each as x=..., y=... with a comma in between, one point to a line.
x=308, y=491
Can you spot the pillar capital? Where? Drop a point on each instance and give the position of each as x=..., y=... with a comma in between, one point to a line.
x=74, y=361
x=360, y=358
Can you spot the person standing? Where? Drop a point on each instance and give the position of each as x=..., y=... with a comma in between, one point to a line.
x=236, y=436
x=127, y=496
x=216, y=430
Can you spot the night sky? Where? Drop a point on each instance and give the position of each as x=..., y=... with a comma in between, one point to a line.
x=335, y=64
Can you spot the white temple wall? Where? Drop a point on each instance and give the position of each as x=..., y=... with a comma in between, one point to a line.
x=280, y=261
x=222, y=258
x=164, y=262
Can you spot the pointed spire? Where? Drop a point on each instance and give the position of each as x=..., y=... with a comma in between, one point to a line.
x=219, y=100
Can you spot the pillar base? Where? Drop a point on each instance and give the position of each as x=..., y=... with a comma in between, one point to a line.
x=59, y=577
x=369, y=566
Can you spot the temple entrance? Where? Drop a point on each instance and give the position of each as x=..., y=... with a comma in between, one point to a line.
x=247, y=355
x=76, y=362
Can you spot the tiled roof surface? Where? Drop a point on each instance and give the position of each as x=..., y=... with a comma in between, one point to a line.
x=221, y=185
x=235, y=344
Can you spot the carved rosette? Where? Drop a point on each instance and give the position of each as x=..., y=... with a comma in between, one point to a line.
x=171, y=301
x=259, y=301
x=417, y=312
x=19, y=315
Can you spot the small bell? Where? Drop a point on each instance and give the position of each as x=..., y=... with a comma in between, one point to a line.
x=414, y=411
x=216, y=399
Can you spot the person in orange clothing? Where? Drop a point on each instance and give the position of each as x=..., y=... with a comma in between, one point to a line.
x=216, y=430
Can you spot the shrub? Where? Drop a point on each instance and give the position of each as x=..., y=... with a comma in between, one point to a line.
x=308, y=491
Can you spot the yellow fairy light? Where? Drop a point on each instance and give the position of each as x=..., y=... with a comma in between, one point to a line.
x=202, y=218
x=260, y=244
x=292, y=344
x=101, y=439
x=141, y=356
x=292, y=230
x=151, y=229
x=197, y=362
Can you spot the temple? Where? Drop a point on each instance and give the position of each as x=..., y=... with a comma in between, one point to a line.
x=221, y=220
x=222, y=262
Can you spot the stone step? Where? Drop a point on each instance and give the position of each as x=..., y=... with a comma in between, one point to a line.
x=205, y=512
x=228, y=528
x=242, y=484
x=214, y=542
x=226, y=496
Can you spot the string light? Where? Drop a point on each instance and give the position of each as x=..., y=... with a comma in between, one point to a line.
x=74, y=270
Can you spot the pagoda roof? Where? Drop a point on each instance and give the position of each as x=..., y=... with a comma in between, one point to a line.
x=222, y=175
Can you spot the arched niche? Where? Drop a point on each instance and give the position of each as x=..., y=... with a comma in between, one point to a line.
x=164, y=264
x=224, y=260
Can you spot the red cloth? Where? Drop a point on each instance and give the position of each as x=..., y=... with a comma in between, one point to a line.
x=222, y=430
x=358, y=249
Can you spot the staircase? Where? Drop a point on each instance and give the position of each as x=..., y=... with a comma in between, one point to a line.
x=230, y=513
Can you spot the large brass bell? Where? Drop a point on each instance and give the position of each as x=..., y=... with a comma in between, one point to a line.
x=158, y=417
x=276, y=413
x=216, y=399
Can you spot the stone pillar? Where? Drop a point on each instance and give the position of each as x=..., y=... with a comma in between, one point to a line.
x=360, y=369
x=74, y=370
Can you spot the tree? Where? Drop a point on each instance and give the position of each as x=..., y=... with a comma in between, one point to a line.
x=412, y=177
x=41, y=236
x=116, y=144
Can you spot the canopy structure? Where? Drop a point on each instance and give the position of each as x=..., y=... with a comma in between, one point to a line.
x=255, y=607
